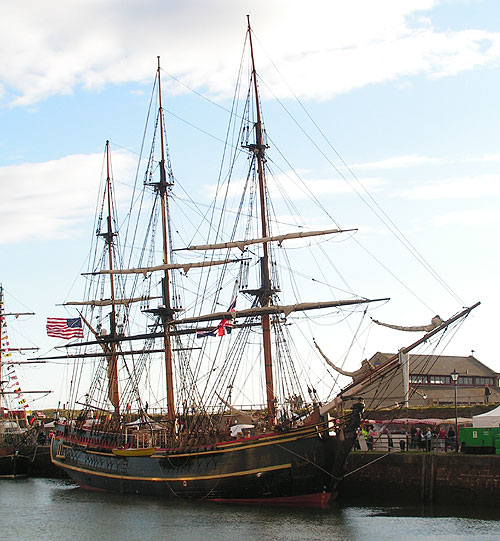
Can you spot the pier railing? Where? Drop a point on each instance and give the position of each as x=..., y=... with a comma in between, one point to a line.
x=402, y=442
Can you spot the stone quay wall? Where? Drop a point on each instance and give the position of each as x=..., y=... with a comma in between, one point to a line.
x=419, y=477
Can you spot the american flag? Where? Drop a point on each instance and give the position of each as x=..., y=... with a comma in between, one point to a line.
x=64, y=327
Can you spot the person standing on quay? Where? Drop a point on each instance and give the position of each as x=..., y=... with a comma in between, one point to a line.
x=487, y=392
x=428, y=439
x=450, y=439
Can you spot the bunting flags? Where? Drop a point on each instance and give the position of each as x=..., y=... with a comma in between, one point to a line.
x=10, y=376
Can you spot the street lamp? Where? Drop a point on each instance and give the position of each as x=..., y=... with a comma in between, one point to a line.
x=454, y=376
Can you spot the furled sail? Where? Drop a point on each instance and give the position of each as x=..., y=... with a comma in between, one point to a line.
x=109, y=302
x=168, y=266
x=392, y=364
x=242, y=244
x=435, y=322
x=366, y=366
x=286, y=310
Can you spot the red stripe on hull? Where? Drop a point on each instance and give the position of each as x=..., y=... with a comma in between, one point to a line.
x=92, y=489
x=320, y=499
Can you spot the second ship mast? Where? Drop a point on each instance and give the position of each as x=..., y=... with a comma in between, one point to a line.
x=265, y=292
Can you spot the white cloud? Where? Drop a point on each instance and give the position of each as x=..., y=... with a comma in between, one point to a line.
x=326, y=49
x=487, y=185
x=397, y=162
x=412, y=160
x=287, y=186
x=281, y=186
x=48, y=200
x=485, y=158
x=468, y=217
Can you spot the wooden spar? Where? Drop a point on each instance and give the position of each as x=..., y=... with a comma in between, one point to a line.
x=113, y=392
x=273, y=309
x=266, y=290
x=242, y=244
x=24, y=362
x=18, y=349
x=184, y=266
x=102, y=341
x=108, y=302
x=92, y=407
x=101, y=354
x=162, y=188
x=393, y=362
x=27, y=392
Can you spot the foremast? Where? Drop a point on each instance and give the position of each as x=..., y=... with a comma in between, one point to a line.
x=265, y=292
x=113, y=392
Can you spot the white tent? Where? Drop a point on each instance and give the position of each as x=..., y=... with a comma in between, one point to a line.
x=489, y=419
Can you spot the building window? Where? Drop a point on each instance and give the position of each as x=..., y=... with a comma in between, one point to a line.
x=484, y=381
x=418, y=379
x=440, y=380
x=465, y=380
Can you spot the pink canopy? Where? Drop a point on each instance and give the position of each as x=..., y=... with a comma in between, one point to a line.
x=408, y=421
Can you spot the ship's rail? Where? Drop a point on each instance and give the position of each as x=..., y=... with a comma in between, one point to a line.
x=163, y=438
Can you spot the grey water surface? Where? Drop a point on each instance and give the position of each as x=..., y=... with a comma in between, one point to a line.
x=50, y=509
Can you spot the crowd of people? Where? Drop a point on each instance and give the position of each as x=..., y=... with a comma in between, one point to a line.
x=422, y=439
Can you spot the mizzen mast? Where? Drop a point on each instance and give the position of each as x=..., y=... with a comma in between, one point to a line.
x=265, y=293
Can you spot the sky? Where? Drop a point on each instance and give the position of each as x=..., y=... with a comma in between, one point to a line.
x=401, y=95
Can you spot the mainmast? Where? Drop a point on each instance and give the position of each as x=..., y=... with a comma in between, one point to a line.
x=113, y=392
x=167, y=312
x=265, y=292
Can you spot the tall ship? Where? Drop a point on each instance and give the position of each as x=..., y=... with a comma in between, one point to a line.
x=18, y=429
x=204, y=377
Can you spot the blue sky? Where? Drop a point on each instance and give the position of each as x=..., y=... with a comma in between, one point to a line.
x=405, y=91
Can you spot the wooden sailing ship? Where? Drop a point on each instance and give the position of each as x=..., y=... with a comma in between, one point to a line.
x=18, y=437
x=284, y=447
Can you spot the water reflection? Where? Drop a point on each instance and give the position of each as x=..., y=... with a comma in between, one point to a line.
x=470, y=511
x=56, y=509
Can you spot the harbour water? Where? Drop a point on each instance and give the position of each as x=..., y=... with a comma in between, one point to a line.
x=51, y=509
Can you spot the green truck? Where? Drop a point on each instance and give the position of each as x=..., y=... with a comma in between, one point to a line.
x=480, y=440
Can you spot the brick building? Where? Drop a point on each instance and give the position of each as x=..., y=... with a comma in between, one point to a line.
x=430, y=382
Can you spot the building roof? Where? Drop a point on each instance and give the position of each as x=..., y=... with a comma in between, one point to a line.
x=440, y=364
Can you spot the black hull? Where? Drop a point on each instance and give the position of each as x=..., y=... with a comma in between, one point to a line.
x=17, y=453
x=297, y=467
x=15, y=465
